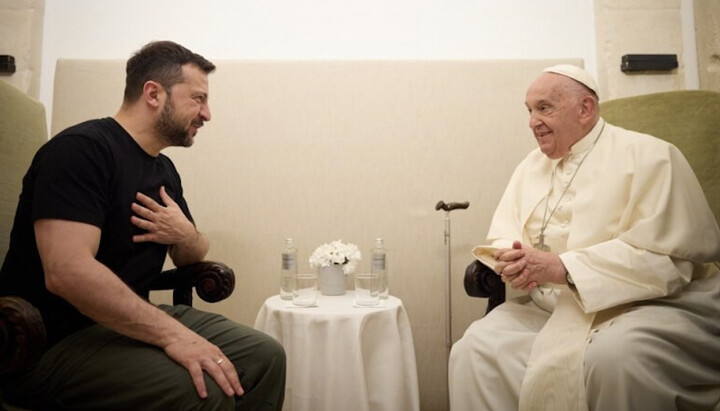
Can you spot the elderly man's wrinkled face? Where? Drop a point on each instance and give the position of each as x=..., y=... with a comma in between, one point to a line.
x=554, y=114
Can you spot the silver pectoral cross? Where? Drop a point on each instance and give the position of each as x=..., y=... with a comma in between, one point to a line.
x=540, y=244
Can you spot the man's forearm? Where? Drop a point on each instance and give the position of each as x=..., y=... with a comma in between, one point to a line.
x=191, y=251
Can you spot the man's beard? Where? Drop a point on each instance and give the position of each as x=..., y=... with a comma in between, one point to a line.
x=172, y=129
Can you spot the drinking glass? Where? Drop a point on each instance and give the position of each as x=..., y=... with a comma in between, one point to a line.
x=304, y=293
x=367, y=289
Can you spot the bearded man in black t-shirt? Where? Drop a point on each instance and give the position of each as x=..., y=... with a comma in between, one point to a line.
x=100, y=208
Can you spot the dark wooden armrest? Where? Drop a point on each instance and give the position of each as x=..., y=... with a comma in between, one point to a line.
x=213, y=282
x=22, y=334
x=480, y=281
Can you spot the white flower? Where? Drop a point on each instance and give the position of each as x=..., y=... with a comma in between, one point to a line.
x=336, y=252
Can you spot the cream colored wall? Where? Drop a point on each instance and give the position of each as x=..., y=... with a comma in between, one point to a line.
x=320, y=151
x=21, y=29
x=320, y=30
x=637, y=27
x=657, y=27
x=621, y=27
x=707, y=21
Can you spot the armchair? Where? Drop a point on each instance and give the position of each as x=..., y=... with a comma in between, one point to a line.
x=689, y=119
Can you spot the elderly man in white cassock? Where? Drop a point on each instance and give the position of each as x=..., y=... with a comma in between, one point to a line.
x=611, y=235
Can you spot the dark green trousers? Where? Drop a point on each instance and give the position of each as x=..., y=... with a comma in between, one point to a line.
x=99, y=369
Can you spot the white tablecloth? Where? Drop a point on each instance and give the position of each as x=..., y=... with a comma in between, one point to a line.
x=344, y=358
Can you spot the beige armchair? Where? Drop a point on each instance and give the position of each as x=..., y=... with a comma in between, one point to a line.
x=22, y=332
x=690, y=119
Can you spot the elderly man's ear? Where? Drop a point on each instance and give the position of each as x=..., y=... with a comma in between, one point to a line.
x=589, y=108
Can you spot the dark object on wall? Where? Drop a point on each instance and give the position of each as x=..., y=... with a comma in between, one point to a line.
x=7, y=64
x=648, y=62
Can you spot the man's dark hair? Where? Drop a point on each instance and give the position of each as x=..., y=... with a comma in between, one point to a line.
x=160, y=61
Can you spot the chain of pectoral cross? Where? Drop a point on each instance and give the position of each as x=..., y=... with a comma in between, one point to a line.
x=540, y=243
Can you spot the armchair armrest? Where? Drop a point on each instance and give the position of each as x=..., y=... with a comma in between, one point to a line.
x=482, y=282
x=22, y=334
x=213, y=282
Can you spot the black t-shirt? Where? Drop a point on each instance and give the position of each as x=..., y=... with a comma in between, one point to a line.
x=88, y=173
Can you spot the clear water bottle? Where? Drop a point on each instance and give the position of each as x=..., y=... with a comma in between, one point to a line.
x=379, y=266
x=288, y=270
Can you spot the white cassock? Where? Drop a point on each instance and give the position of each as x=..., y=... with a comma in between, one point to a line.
x=641, y=328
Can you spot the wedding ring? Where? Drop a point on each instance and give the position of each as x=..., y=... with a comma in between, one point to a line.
x=220, y=361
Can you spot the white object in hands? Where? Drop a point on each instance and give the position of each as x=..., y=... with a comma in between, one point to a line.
x=484, y=254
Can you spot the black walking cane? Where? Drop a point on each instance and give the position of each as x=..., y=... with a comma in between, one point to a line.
x=441, y=205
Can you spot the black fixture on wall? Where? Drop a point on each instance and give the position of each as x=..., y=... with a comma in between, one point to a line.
x=648, y=62
x=7, y=64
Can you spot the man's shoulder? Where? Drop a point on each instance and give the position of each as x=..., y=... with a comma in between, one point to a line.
x=103, y=134
x=92, y=129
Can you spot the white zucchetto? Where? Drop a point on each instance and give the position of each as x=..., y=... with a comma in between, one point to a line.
x=575, y=73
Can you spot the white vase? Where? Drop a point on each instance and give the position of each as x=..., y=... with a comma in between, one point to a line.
x=332, y=280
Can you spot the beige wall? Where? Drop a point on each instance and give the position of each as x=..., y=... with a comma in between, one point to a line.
x=21, y=29
x=622, y=27
x=655, y=27
x=707, y=23
x=637, y=27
